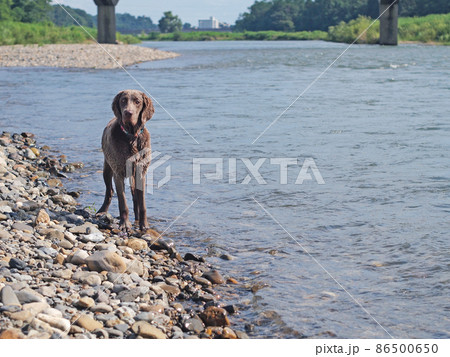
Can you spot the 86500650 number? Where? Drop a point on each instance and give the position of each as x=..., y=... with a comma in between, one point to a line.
x=406, y=348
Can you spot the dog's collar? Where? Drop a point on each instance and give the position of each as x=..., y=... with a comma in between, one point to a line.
x=129, y=134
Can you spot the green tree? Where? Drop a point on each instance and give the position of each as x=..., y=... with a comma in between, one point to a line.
x=5, y=10
x=170, y=23
x=60, y=17
x=31, y=10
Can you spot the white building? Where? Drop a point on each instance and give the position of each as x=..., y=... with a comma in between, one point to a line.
x=212, y=23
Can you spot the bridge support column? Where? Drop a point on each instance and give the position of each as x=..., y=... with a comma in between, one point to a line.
x=389, y=22
x=106, y=21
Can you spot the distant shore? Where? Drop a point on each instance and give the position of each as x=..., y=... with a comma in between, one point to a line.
x=79, y=55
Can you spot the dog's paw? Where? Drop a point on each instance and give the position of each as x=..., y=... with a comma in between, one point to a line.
x=125, y=226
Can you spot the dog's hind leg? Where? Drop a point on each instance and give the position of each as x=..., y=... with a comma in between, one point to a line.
x=107, y=177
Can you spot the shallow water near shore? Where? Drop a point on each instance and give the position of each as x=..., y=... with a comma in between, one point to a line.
x=376, y=125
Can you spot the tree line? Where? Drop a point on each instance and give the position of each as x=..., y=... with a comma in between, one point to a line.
x=311, y=15
x=34, y=11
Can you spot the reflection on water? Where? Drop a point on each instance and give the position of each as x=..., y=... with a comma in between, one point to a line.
x=377, y=127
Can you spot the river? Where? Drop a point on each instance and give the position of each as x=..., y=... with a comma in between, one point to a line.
x=363, y=255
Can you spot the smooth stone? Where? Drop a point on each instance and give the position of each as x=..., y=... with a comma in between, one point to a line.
x=93, y=237
x=64, y=243
x=63, y=274
x=214, y=316
x=214, y=277
x=85, y=302
x=35, y=307
x=137, y=244
x=102, y=307
x=8, y=297
x=4, y=234
x=145, y=330
x=88, y=323
x=49, y=290
x=194, y=257
x=106, y=261
x=194, y=324
x=25, y=316
x=22, y=227
x=78, y=257
x=88, y=278
x=56, y=322
x=54, y=234
x=169, y=288
x=84, y=228
x=64, y=199
x=17, y=264
x=27, y=296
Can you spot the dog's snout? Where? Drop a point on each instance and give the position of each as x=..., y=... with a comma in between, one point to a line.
x=128, y=112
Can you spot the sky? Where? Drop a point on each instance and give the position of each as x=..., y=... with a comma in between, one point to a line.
x=188, y=10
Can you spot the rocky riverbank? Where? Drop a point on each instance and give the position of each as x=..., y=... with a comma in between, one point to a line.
x=79, y=55
x=65, y=273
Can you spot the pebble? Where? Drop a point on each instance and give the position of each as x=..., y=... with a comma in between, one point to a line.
x=8, y=297
x=56, y=322
x=42, y=217
x=16, y=263
x=86, y=277
x=145, y=330
x=214, y=316
x=88, y=323
x=137, y=244
x=85, y=302
x=214, y=277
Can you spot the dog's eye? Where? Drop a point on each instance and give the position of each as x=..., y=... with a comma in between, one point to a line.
x=137, y=101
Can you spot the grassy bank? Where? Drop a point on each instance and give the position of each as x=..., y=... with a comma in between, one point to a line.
x=234, y=36
x=14, y=33
x=427, y=29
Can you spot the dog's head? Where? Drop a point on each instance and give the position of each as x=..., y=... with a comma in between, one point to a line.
x=132, y=108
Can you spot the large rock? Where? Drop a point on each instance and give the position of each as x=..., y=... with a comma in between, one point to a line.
x=106, y=261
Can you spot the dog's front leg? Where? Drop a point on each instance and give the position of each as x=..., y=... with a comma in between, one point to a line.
x=124, y=223
x=140, y=195
x=135, y=199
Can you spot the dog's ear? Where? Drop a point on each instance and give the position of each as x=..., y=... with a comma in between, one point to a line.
x=147, y=108
x=116, y=106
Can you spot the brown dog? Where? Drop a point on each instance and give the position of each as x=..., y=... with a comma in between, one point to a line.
x=126, y=147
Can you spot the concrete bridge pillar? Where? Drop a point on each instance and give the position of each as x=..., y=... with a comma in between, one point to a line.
x=106, y=21
x=389, y=22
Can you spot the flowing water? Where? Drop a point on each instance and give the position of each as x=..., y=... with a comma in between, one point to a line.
x=364, y=255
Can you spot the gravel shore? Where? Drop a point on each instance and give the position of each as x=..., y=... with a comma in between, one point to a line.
x=65, y=273
x=78, y=55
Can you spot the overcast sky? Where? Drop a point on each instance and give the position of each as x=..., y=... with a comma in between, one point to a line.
x=188, y=10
